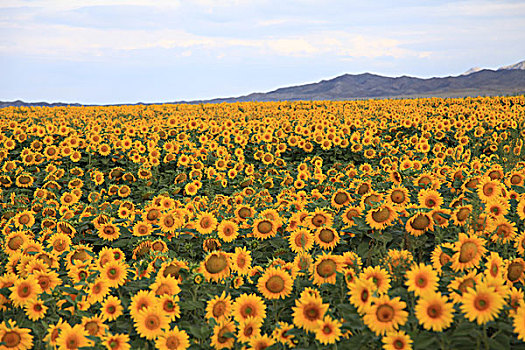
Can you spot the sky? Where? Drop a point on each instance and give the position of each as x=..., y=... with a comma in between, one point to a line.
x=129, y=51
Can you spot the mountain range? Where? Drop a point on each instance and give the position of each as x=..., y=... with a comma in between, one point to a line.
x=507, y=80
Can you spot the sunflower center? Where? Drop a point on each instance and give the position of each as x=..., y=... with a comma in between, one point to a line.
x=364, y=295
x=15, y=243
x=385, y=313
x=373, y=198
x=444, y=258
x=219, y=309
x=363, y=189
x=153, y=214
x=438, y=218
x=158, y=246
x=488, y=189
x=326, y=268
x=91, y=327
x=247, y=311
x=397, y=196
x=172, y=270
x=275, y=284
x=163, y=289
x=244, y=213
x=172, y=342
x=326, y=235
x=216, y=263
x=220, y=337
x=481, y=303
x=398, y=344
x=112, y=309
x=468, y=283
x=351, y=214
x=24, y=219
x=341, y=198
x=430, y=202
x=11, y=339
x=248, y=331
x=113, y=344
x=318, y=220
x=463, y=214
x=327, y=329
x=312, y=313
x=168, y=221
x=265, y=227
x=468, y=251
x=421, y=281
x=515, y=179
x=205, y=222
x=434, y=311
x=515, y=271
x=301, y=240
x=381, y=215
x=152, y=322
x=421, y=222
x=24, y=291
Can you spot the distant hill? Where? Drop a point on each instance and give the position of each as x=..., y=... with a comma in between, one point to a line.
x=362, y=86
x=508, y=80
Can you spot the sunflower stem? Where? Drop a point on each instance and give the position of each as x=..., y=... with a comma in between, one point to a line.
x=485, y=337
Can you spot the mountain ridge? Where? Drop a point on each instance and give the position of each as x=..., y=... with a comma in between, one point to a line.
x=485, y=82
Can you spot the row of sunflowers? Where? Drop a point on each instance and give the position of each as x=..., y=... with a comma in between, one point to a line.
x=394, y=224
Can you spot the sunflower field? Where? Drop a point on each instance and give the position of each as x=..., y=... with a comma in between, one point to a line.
x=379, y=224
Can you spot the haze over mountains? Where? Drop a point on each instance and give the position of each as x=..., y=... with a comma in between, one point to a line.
x=507, y=80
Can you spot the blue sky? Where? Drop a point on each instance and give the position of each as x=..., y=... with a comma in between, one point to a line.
x=119, y=51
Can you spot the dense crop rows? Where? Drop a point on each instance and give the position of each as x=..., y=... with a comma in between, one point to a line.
x=365, y=224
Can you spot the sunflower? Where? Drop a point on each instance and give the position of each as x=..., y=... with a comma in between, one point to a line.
x=174, y=339
x=35, y=309
x=481, y=303
x=379, y=276
x=142, y=300
x=263, y=228
x=53, y=331
x=385, y=314
x=117, y=342
x=205, y=223
x=301, y=240
x=169, y=222
x=488, y=189
x=430, y=199
x=361, y=292
x=319, y=218
x=515, y=270
x=340, y=199
x=325, y=268
x=326, y=238
x=109, y=231
x=434, y=312
x=308, y=310
x=421, y=279
x=494, y=265
x=462, y=284
x=248, y=329
x=439, y=258
x=219, y=340
x=328, y=331
x=215, y=266
x=381, y=217
x=519, y=322
x=111, y=308
x=59, y=242
x=115, y=273
x=151, y=322
x=94, y=326
x=13, y=337
x=520, y=209
x=398, y=196
x=275, y=283
x=243, y=212
x=98, y=290
x=516, y=300
x=142, y=228
x=241, y=261
x=282, y=335
x=419, y=223
x=228, y=230
x=73, y=337
x=350, y=213
x=249, y=305
x=14, y=241
x=397, y=340
x=503, y=231
x=469, y=251
x=219, y=307
x=302, y=263
x=24, y=290
x=461, y=214
x=165, y=285
x=24, y=219
x=519, y=243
